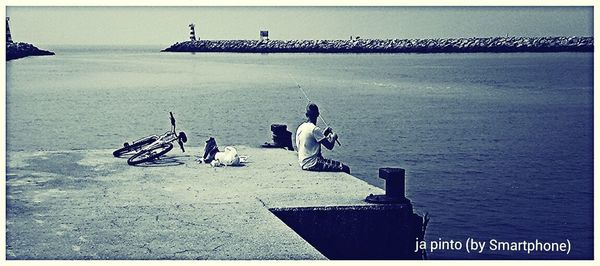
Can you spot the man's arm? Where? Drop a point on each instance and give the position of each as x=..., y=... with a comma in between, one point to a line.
x=325, y=137
x=329, y=141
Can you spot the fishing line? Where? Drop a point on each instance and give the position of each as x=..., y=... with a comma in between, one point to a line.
x=299, y=87
x=306, y=96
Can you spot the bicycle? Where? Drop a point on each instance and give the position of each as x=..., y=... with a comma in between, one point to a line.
x=151, y=147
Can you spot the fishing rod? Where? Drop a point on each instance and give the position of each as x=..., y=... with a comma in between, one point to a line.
x=306, y=96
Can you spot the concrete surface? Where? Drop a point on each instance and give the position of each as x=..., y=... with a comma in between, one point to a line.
x=90, y=205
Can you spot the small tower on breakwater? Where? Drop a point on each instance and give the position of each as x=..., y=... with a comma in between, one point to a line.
x=192, y=32
x=21, y=49
x=8, y=36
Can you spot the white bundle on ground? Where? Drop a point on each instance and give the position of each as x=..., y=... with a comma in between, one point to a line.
x=228, y=157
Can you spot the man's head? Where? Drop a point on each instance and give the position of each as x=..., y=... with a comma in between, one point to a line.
x=312, y=111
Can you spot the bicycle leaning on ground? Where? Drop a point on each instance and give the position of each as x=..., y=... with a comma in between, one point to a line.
x=151, y=147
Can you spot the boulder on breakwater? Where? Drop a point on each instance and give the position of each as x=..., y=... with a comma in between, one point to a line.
x=15, y=50
x=459, y=45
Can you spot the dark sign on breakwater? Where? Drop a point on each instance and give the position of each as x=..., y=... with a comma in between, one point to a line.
x=459, y=45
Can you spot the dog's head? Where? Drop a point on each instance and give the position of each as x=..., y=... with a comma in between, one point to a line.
x=210, y=150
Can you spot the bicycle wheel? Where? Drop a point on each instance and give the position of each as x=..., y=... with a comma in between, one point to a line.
x=150, y=154
x=136, y=146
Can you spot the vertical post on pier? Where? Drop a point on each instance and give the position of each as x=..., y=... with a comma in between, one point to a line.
x=394, y=187
x=394, y=181
x=192, y=32
x=8, y=36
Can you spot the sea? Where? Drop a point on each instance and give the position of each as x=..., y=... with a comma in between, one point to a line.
x=496, y=146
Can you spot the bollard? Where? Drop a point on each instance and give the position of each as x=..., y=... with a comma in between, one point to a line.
x=394, y=181
x=394, y=187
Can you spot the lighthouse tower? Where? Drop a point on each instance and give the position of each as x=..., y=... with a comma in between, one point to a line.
x=8, y=36
x=192, y=32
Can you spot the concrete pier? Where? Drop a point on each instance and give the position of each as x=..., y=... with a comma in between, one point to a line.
x=90, y=205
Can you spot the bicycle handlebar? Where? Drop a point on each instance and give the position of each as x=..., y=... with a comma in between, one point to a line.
x=181, y=145
x=179, y=140
x=172, y=119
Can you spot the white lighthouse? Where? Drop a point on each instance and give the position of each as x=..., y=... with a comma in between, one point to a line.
x=8, y=36
x=192, y=32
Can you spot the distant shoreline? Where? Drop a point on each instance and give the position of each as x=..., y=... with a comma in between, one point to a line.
x=457, y=45
x=16, y=50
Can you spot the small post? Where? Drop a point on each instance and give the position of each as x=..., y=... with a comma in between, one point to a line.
x=394, y=181
x=394, y=187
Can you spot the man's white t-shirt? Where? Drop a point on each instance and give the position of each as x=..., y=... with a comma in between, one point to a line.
x=308, y=137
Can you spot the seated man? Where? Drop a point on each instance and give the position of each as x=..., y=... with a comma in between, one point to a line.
x=309, y=138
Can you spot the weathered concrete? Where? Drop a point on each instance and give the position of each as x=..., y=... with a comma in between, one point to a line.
x=90, y=205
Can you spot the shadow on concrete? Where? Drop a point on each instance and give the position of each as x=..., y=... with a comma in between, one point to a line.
x=162, y=162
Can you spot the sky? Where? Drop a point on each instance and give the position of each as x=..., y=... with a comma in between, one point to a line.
x=163, y=26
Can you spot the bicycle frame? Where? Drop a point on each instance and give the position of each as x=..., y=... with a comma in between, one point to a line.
x=153, y=146
x=167, y=137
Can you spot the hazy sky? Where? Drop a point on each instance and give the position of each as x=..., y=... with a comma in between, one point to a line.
x=165, y=25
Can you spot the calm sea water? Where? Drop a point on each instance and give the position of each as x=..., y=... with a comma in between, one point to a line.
x=496, y=146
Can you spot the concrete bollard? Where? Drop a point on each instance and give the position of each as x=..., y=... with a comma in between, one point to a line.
x=394, y=181
x=394, y=187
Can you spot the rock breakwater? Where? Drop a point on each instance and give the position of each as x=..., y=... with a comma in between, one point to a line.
x=15, y=50
x=459, y=45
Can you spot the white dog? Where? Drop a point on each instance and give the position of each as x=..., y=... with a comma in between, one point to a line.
x=228, y=157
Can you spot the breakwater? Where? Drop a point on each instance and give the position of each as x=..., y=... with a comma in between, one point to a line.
x=15, y=50
x=459, y=45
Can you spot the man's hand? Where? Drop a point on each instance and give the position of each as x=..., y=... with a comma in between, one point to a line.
x=334, y=137
x=327, y=131
x=330, y=140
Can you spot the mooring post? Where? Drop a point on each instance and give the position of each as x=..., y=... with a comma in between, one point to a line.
x=394, y=181
x=394, y=187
